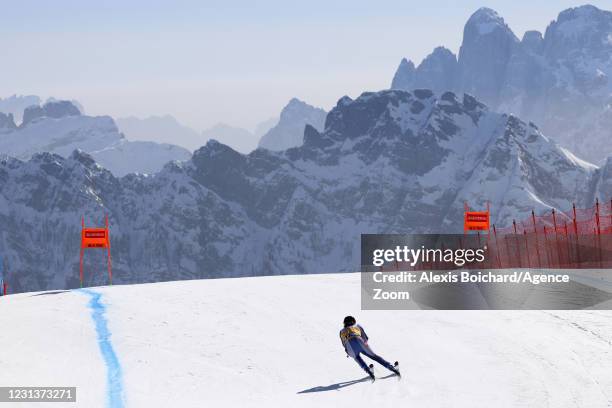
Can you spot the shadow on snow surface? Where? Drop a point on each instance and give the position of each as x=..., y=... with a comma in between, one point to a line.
x=340, y=385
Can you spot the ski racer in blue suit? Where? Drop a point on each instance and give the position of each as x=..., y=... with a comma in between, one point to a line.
x=355, y=342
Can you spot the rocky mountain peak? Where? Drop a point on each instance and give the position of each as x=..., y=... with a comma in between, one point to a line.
x=296, y=107
x=437, y=71
x=16, y=104
x=586, y=30
x=404, y=75
x=289, y=131
x=59, y=109
x=32, y=113
x=52, y=109
x=442, y=53
x=82, y=157
x=7, y=121
x=561, y=80
x=486, y=21
x=584, y=12
x=532, y=41
x=488, y=44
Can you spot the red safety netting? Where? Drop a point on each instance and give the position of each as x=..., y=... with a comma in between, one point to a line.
x=577, y=238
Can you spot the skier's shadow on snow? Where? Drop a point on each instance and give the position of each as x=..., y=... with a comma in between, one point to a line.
x=340, y=385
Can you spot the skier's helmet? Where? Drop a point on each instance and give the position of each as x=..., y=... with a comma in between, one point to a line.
x=349, y=321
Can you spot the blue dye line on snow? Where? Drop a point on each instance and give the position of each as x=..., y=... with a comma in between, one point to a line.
x=114, y=378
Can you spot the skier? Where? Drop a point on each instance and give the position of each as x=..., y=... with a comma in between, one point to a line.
x=355, y=342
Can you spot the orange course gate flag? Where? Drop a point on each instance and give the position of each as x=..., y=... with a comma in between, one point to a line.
x=476, y=221
x=95, y=238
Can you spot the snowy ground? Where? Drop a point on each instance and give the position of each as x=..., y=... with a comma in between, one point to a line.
x=273, y=341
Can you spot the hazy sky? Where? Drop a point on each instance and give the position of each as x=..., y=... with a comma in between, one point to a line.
x=237, y=62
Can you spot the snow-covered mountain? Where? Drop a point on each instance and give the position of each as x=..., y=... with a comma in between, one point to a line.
x=289, y=131
x=392, y=161
x=166, y=129
x=561, y=80
x=59, y=127
x=160, y=129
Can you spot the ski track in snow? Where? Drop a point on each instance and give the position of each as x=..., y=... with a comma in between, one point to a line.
x=114, y=381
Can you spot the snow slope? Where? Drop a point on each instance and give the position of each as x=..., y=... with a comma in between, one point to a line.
x=273, y=341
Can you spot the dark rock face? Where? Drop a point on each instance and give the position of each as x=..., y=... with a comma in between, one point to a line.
x=437, y=72
x=532, y=42
x=560, y=80
x=32, y=113
x=52, y=109
x=584, y=30
x=488, y=44
x=59, y=109
x=404, y=76
x=390, y=161
x=7, y=121
x=16, y=104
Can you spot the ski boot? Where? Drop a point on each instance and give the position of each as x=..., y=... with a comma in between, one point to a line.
x=371, y=372
x=395, y=369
